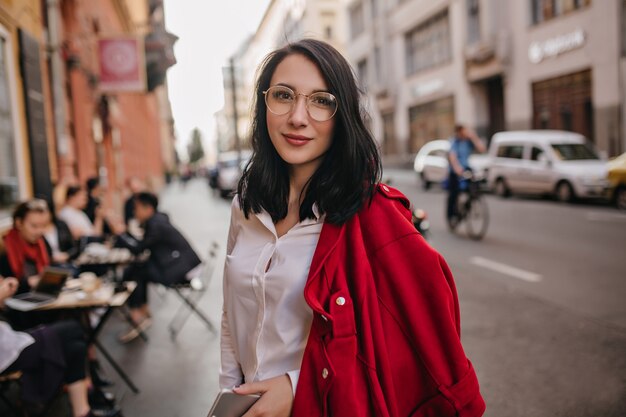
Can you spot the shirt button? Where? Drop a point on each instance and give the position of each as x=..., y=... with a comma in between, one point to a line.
x=324, y=373
x=340, y=301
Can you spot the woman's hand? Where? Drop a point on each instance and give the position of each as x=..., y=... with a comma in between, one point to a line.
x=33, y=280
x=276, y=397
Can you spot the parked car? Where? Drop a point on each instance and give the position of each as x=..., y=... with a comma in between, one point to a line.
x=554, y=162
x=431, y=162
x=228, y=172
x=617, y=179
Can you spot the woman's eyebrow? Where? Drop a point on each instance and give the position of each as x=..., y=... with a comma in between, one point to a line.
x=321, y=90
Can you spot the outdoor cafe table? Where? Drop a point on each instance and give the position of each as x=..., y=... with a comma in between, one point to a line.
x=74, y=299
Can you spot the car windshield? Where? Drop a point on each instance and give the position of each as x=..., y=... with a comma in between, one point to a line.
x=573, y=152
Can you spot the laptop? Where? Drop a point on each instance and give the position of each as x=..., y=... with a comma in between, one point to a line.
x=46, y=291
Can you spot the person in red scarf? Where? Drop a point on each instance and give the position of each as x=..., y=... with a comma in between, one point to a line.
x=25, y=253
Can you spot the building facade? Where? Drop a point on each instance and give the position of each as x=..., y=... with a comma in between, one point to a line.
x=490, y=64
x=27, y=146
x=284, y=21
x=57, y=123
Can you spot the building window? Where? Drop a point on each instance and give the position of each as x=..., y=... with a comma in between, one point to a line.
x=329, y=32
x=543, y=10
x=473, y=21
x=9, y=184
x=362, y=73
x=434, y=120
x=357, y=20
x=428, y=45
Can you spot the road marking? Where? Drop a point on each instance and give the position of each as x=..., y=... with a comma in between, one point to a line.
x=600, y=216
x=506, y=269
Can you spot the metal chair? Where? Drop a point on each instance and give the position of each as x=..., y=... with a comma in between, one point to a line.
x=191, y=292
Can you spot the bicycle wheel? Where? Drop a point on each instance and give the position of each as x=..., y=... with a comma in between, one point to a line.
x=477, y=218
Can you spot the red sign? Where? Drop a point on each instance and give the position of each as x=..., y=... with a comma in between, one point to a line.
x=121, y=64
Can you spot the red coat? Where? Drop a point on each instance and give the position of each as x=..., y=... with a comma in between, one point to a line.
x=385, y=338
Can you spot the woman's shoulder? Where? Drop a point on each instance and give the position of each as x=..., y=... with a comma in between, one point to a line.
x=388, y=202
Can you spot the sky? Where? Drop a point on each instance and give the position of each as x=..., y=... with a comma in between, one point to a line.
x=209, y=32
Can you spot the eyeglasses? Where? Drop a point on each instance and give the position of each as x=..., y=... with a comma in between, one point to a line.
x=280, y=100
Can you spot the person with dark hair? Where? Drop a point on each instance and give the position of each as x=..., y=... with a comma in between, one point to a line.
x=61, y=245
x=93, y=197
x=333, y=303
x=72, y=213
x=135, y=185
x=47, y=356
x=462, y=145
x=172, y=259
x=25, y=253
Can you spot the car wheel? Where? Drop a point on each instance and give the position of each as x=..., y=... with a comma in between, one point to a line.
x=564, y=192
x=620, y=198
x=501, y=189
x=425, y=183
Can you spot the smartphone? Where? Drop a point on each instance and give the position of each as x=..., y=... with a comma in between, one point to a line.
x=229, y=404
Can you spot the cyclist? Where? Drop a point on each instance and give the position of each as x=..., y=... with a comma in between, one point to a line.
x=462, y=144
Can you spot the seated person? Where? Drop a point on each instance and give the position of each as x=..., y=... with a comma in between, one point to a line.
x=171, y=259
x=47, y=356
x=61, y=244
x=72, y=214
x=25, y=252
x=25, y=256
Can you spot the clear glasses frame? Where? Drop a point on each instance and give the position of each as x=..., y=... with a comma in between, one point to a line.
x=321, y=111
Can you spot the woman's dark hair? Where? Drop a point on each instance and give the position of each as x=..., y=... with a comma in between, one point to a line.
x=36, y=205
x=351, y=167
x=147, y=199
x=72, y=191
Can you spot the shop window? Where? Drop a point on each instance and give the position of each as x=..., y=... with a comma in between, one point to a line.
x=9, y=188
x=434, y=120
x=543, y=10
x=428, y=44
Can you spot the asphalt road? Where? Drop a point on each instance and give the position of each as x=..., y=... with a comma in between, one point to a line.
x=543, y=302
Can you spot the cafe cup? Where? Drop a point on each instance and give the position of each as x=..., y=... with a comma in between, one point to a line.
x=89, y=282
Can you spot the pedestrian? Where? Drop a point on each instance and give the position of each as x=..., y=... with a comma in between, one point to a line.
x=172, y=260
x=462, y=145
x=333, y=302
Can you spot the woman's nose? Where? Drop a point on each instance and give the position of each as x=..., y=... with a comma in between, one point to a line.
x=299, y=115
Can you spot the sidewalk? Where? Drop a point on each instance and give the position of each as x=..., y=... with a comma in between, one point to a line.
x=176, y=378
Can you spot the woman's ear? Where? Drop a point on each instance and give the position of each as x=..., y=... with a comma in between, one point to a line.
x=19, y=223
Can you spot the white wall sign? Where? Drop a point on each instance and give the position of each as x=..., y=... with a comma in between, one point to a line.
x=427, y=88
x=538, y=51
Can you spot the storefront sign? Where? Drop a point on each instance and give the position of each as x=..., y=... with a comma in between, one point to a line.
x=427, y=88
x=121, y=64
x=538, y=51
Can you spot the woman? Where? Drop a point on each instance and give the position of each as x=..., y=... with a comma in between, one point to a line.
x=333, y=303
x=25, y=252
x=47, y=356
x=60, y=244
x=72, y=213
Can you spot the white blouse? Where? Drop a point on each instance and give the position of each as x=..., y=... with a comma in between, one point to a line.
x=265, y=319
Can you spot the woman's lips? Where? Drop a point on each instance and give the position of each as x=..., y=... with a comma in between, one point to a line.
x=296, y=140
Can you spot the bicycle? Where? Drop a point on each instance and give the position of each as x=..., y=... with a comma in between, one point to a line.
x=471, y=208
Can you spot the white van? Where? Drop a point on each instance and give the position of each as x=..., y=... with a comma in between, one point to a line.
x=553, y=162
